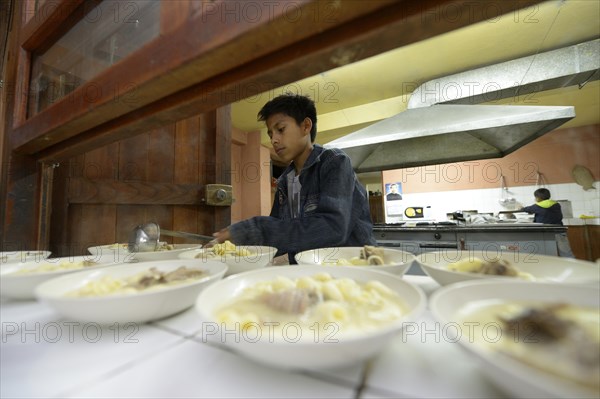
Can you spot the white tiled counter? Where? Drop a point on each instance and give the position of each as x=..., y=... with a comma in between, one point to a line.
x=43, y=355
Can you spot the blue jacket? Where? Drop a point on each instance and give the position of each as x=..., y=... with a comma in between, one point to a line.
x=334, y=209
x=547, y=212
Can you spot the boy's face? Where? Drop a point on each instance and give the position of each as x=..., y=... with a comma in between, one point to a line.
x=289, y=139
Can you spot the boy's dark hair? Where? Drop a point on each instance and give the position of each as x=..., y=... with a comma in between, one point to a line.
x=293, y=105
x=542, y=194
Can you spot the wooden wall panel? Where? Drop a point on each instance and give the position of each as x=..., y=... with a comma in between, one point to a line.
x=154, y=177
x=96, y=226
x=161, y=154
x=160, y=168
x=222, y=154
x=185, y=218
x=128, y=216
x=132, y=167
x=207, y=166
x=236, y=183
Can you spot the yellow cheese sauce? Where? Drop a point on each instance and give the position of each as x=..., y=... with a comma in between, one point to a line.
x=314, y=304
x=146, y=281
x=478, y=266
x=224, y=249
x=53, y=267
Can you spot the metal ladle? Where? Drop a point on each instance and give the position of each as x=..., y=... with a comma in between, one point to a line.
x=145, y=237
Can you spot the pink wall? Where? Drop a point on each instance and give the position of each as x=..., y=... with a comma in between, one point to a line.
x=554, y=155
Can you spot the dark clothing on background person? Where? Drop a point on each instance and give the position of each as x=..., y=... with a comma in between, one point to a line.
x=546, y=211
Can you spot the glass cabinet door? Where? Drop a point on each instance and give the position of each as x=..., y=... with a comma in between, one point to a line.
x=108, y=32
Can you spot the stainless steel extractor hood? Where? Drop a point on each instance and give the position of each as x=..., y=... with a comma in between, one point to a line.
x=442, y=124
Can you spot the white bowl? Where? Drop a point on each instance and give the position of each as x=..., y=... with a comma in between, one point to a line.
x=261, y=257
x=452, y=305
x=311, y=351
x=395, y=261
x=22, y=256
x=17, y=285
x=119, y=253
x=543, y=268
x=112, y=252
x=137, y=307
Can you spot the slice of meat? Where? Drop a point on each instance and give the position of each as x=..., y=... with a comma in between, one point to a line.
x=155, y=277
x=375, y=260
x=538, y=324
x=182, y=273
x=370, y=250
x=294, y=301
x=499, y=268
x=150, y=278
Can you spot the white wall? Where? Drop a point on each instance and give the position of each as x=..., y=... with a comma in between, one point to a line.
x=487, y=200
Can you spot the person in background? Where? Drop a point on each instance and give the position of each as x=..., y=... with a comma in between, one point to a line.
x=548, y=211
x=393, y=195
x=319, y=201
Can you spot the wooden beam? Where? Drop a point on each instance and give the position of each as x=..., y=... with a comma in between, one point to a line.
x=97, y=191
x=52, y=20
x=372, y=34
x=222, y=214
x=45, y=207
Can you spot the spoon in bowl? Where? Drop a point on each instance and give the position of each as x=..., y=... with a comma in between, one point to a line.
x=145, y=237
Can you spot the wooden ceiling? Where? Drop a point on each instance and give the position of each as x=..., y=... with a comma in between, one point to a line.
x=356, y=95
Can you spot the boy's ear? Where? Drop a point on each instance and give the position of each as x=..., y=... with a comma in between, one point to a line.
x=307, y=125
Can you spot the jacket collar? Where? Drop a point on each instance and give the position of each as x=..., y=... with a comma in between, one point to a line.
x=312, y=159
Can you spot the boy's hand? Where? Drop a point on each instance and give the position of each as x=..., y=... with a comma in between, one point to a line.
x=222, y=235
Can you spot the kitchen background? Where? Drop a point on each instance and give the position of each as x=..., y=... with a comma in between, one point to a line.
x=357, y=95
x=508, y=183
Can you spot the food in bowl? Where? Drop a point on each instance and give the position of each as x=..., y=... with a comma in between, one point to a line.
x=530, y=266
x=558, y=338
x=479, y=310
x=19, y=280
x=494, y=267
x=163, y=246
x=147, y=280
x=239, y=259
x=51, y=267
x=316, y=302
x=117, y=246
x=119, y=252
x=294, y=346
x=22, y=256
x=141, y=306
x=369, y=255
x=389, y=260
x=226, y=248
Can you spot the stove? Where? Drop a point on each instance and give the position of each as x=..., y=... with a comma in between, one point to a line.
x=427, y=236
x=391, y=226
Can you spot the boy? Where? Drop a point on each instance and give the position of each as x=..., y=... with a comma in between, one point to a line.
x=319, y=202
x=545, y=210
x=548, y=211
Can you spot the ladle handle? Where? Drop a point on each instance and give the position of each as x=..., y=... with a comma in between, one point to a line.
x=182, y=234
